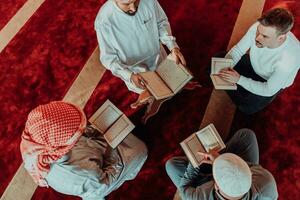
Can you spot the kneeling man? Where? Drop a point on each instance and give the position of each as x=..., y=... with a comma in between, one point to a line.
x=271, y=64
x=59, y=150
x=233, y=175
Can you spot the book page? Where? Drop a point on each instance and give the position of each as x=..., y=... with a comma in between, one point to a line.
x=175, y=76
x=118, y=131
x=209, y=139
x=191, y=147
x=220, y=63
x=105, y=116
x=156, y=85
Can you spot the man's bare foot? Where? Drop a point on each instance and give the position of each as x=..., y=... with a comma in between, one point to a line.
x=142, y=99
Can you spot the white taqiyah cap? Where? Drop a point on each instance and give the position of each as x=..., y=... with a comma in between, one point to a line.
x=232, y=174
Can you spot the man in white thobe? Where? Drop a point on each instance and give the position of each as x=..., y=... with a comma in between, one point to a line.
x=130, y=34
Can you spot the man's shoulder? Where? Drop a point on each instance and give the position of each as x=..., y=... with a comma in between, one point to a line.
x=293, y=42
x=148, y=4
x=254, y=26
x=263, y=181
x=290, y=54
x=203, y=191
x=105, y=14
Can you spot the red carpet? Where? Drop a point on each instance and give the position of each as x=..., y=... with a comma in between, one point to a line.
x=48, y=53
x=8, y=9
x=38, y=66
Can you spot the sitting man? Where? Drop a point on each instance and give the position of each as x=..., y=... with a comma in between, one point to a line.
x=236, y=174
x=60, y=151
x=271, y=65
x=130, y=33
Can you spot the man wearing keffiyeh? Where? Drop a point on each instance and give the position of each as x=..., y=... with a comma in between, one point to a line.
x=60, y=150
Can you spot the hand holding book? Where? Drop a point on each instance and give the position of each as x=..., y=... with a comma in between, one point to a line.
x=203, y=146
x=178, y=57
x=138, y=81
x=167, y=80
x=210, y=156
x=220, y=67
x=229, y=75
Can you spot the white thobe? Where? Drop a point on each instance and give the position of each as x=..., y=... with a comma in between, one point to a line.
x=278, y=66
x=132, y=44
x=90, y=173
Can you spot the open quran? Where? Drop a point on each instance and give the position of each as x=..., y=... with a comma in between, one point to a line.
x=167, y=79
x=112, y=123
x=216, y=65
x=204, y=140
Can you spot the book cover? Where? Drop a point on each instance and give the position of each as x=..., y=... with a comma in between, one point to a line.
x=168, y=79
x=112, y=123
x=216, y=65
x=203, y=140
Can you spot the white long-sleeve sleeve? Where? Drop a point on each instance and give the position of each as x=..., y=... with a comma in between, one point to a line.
x=238, y=50
x=164, y=28
x=109, y=56
x=267, y=88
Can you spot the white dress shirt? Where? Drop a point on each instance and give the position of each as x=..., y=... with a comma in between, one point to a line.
x=278, y=66
x=132, y=44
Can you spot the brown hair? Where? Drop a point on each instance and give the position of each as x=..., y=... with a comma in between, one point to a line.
x=279, y=18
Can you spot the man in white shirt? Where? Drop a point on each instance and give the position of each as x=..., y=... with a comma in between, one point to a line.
x=271, y=65
x=130, y=33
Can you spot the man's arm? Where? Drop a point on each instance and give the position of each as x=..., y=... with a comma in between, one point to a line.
x=188, y=191
x=237, y=51
x=108, y=54
x=268, y=88
x=111, y=61
x=164, y=28
x=165, y=34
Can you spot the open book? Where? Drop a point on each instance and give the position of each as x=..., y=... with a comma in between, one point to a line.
x=216, y=65
x=167, y=79
x=204, y=140
x=111, y=122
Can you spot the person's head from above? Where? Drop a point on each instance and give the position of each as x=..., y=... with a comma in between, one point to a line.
x=273, y=27
x=50, y=132
x=129, y=7
x=232, y=175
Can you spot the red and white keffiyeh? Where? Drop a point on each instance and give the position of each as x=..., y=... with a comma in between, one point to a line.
x=51, y=130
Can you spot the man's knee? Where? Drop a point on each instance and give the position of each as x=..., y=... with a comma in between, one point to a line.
x=170, y=165
x=143, y=152
x=246, y=134
x=175, y=164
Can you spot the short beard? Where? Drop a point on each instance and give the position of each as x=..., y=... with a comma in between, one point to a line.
x=131, y=13
x=258, y=44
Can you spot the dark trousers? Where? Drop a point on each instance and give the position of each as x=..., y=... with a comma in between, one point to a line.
x=246, y=101
x=243, y=143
